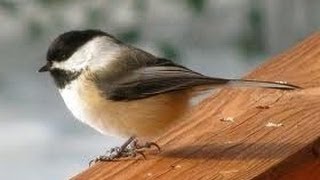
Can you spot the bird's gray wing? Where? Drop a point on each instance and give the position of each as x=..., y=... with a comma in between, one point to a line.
x=161, y=77
x=158, y=76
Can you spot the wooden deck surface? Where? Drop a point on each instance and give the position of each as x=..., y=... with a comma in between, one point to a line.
x=274, y=134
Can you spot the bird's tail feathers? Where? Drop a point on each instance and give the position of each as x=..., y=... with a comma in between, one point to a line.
x=263, y=84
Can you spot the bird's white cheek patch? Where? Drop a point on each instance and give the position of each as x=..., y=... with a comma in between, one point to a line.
x=76, y=62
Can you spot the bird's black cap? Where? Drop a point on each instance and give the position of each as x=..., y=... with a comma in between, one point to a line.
x=67, y=43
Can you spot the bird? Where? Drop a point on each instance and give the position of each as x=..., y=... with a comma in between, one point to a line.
x=118, y=89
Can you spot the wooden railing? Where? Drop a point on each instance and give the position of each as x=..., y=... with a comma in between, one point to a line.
x=270, y=134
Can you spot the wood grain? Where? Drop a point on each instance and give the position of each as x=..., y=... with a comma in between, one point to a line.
x=203, y=147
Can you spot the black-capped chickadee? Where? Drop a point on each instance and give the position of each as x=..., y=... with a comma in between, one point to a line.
x=119, y=89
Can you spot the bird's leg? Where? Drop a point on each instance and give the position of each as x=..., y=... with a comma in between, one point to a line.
x=116, y=152
x=124, y=147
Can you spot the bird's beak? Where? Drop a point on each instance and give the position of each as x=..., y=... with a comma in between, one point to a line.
x=45, y=68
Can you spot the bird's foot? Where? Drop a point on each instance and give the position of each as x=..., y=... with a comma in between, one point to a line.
x=131, y=148
x=116, y=154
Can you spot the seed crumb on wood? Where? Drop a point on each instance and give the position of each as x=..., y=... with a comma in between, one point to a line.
x=176, y=166
x=227, y=119
x=271, y=124
x=228, y=142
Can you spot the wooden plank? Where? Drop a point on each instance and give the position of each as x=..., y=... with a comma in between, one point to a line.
x=308, y=170
x=304, y=164
x=203, y=147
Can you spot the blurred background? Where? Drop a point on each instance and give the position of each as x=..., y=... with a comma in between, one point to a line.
x=39, y=138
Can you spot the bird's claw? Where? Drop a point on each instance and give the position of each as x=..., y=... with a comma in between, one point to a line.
x=100, y=159
x=147, y=145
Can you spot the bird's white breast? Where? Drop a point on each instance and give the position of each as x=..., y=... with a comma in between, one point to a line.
x=72, y=98
x=87, y=104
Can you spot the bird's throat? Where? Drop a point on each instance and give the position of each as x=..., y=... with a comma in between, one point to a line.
x=64, y=77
